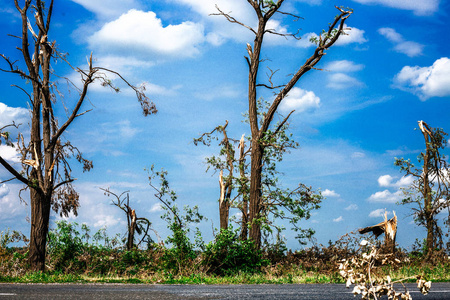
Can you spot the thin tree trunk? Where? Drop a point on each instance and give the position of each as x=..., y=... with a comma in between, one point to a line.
x=243, y=190
x=254, y=218
x=131, y=230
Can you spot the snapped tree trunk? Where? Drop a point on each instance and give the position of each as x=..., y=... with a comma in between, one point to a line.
x=389, y=228
x=131, y=229
x=224, y=202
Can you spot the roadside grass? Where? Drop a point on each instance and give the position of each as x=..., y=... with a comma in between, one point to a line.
x=227, y=260
x=439, y=273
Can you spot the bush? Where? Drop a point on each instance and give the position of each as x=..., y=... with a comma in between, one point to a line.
x=64, y=245
x=227, y=254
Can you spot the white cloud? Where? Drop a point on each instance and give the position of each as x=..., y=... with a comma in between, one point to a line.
x=105, y=220
x=409, y=48
x=386, y=197
x=352, y=35
x=328, y=193
x=343, y=66
x=9, y=114
x=220, y=29
x=300, y=100
x=378, y=213
x=352, y=207
x=139, y=33
x=156, y=208
x=426, y=82
x=388, y=181
x=419, y=7
x=341, y=81
x=9, y=154
x=304, y=41
x=385, y=180
x=339, y=219
x=113, y=8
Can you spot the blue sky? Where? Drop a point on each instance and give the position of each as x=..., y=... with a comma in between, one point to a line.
x=351, y=120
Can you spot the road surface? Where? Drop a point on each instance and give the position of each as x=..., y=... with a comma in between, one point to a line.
x=168, y=292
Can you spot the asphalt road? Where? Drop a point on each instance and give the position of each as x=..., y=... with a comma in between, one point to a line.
x=168, y=292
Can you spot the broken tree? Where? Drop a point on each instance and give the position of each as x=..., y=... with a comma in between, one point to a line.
x=137, y=225
x=388, y=227
x=45, y=169
x=429, y=193
x=261, y=132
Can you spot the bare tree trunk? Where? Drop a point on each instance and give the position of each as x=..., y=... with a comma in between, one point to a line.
x=427, y=196
x=243, y=190
x=40, y=215
x=254, y=218
x=224, y=203
x=131, y=230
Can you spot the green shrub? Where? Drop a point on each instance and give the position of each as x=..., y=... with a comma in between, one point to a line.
x=64, y=245
x=227, y=254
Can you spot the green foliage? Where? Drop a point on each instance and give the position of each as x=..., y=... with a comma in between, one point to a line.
x=182, y=251
x=8, y=237
x=227, y=254
x=64, y=244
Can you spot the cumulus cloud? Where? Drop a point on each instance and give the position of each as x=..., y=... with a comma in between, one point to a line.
x=305, y=40
x=426, y=82
x=9, y=114
x=389, y=181
x=378, y=213
x=9, y=154
x=139, y=33
x=328, y=193
x=339, y=219
x=352, y=207
x=409, y=48
x=105, y=220
x=220, y=29
x=300, y=100
x=419, y=7
x=386, y=197
x=352, y=35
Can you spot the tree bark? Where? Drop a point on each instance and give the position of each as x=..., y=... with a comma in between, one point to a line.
x=131, y=230
x=254, y=217
x=40, y=216
x=224, y=203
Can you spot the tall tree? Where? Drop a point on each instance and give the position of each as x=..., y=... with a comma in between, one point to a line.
x=45, y=166
x=260, y=128
x=429, y=193
x=277, y=202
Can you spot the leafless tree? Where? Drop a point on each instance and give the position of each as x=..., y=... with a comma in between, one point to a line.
x=45, y=166
x=260, y=126
x=139, y=225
